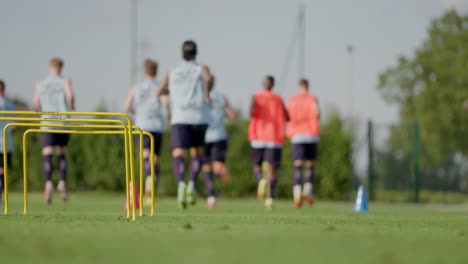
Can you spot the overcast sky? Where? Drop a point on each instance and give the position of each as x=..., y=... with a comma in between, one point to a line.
x=241, y=41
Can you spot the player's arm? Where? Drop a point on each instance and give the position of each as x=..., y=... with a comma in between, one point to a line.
x=165, y=103
x=230, y=113
x=128, y=107
x=69, y=94
x=317, y=108
x=163, y=88
x=252, y=106
x=208, y=80
x=37, y=98
x=286, y=113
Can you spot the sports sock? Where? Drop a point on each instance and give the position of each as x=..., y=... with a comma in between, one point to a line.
x=258, y=173
x=310, y=174
x=297, y=191
x=209, y=184
x=62, y=166
x=273, y=183
x=179, y=170
x=297, y=175
x=195, y=167
x=47, y=167
x=309, y=180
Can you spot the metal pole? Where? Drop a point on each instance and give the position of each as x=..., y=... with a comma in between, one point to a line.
x=415, y=158
x=350, y=50
x=301, y=42
x=371, y=165
x=133, y=40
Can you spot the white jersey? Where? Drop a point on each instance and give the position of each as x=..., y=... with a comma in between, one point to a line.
x=149, y=112
x=6, y=105
x=52, y=97
x=187, y=93
x=216, y=130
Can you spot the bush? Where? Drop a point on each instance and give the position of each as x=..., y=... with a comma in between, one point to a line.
x=96, y=162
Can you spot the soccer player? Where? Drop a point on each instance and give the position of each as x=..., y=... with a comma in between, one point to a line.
x=54, y=94
x=304, y=132
x=149, y=116
x=266, y=135
x=216, y=143
x=189, y=87
x=5, y=105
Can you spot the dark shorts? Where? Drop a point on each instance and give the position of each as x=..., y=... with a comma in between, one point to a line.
x=215, y=151
x=304, y=151
x=147, y=142
x=8, y=160
x=270, y=155
x=188, y=136
x=51, y=139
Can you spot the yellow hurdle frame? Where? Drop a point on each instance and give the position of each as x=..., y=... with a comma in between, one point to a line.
x=100, y=132
x=128, y=141
x=128, y=152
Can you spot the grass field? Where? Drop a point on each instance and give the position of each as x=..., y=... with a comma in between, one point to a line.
x=91, y=229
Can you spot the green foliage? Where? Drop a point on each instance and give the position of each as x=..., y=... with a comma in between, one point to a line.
x=96, y=162
x=431, y=87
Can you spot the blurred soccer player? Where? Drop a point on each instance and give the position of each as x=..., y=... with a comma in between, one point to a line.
x=266, y=136
x=54, y=94
x=189, y=87
x=5, y=105
x=304, y=132
x=149, y=116
x=216, y=143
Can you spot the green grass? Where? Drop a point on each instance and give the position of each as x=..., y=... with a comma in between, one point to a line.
x=91, y=229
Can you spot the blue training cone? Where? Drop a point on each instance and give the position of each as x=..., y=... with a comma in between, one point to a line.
x=360, y=205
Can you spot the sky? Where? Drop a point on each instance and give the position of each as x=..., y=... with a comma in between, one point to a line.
x=241, y=41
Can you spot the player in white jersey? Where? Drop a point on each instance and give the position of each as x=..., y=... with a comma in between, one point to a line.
x=216, y=144
x=5, y=105
x=188, y=86
x=54, y=94
x=149, y=116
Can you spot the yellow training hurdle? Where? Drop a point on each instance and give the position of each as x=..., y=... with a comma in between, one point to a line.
x=129, y=167
x=128, y=133
x=99, y=132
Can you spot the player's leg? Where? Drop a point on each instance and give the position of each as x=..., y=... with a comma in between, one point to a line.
x=273, y=160
x=196, y=160
x=209, y=185
x=2, y=173
x=208, y=171
x=298, y=162
x=147, y=161
x=219, y=158
x=47, y=142
x=310, y=173
x=180, y=140
x=257, y=160
x=62, y=142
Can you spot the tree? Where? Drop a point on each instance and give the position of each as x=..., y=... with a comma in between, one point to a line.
x=431, y=87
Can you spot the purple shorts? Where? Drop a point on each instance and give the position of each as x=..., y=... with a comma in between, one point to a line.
x=147, y=142
x=52, y=139
x=215, y=151
x=188, y=136
x=270, y=155
x=304, y=151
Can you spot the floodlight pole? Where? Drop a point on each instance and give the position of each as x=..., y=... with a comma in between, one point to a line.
x=350, y=50
x=133, y=39
x=301, y=42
